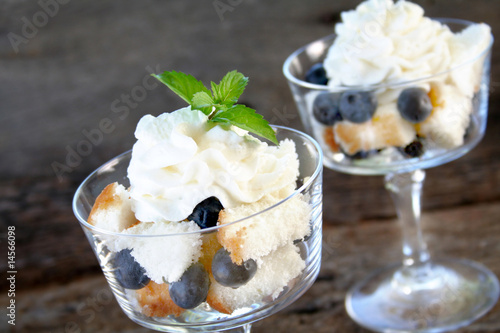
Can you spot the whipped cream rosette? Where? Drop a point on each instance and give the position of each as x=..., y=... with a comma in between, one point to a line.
x=179, y=160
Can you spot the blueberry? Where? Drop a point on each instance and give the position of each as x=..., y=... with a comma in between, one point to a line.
x=192, y=289
x=414, y=105
x=362, y=154
x=357, y=106
x=326, y=108
x=317, y=74
x=414, y=149
x=206, y=213
x=128, y=272
x=228, y=273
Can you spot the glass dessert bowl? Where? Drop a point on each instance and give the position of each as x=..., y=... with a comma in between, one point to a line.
x=397, y=128
x=281, y=276
x=379, y=152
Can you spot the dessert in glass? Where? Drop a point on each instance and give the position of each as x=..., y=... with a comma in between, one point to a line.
x=392, y=93
x=203, y=226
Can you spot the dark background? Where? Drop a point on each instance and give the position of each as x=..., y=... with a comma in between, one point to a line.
x=71, y=68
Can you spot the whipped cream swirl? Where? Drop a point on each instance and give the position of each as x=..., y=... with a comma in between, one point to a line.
x=180, y=159
x=383, y=41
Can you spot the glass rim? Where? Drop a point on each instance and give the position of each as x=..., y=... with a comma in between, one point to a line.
x=84, y=223
x=291, y=78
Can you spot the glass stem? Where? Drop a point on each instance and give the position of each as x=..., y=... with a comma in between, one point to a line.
x=406, y=192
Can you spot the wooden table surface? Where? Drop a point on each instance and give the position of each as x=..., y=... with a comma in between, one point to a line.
x=67, y=65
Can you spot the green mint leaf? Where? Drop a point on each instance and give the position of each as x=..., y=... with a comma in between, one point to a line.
x=184, y=85
x=230, y=88
x=247, y=119
x=219, y=104
x=203, y=102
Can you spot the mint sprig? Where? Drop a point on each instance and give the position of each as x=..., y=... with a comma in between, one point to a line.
x=219, y=104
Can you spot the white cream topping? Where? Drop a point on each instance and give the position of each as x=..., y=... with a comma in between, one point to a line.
x=382, y=41
x=179, y=160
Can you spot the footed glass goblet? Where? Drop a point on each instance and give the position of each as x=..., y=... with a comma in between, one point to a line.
x=281, y=278
x=421, y=293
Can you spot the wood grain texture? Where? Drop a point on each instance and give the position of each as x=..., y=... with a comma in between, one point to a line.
x=87, y=67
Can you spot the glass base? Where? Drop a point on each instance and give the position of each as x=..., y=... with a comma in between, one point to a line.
x=435, y=297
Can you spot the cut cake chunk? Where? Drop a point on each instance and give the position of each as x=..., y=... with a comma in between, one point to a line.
x=329, y=138
x=386, y=129
x=450, y=117
x=209, y=247
x=273, y=274
x=112, y=209
x=163, y=257
x=265, y=232
x=155, y=301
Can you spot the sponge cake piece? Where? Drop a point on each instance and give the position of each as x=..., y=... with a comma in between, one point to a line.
x=112, y=210
x=273, y=274
x=450, y=117
x=258, y=236
x=155, y=301
x=163, y=258
x=386, y=129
